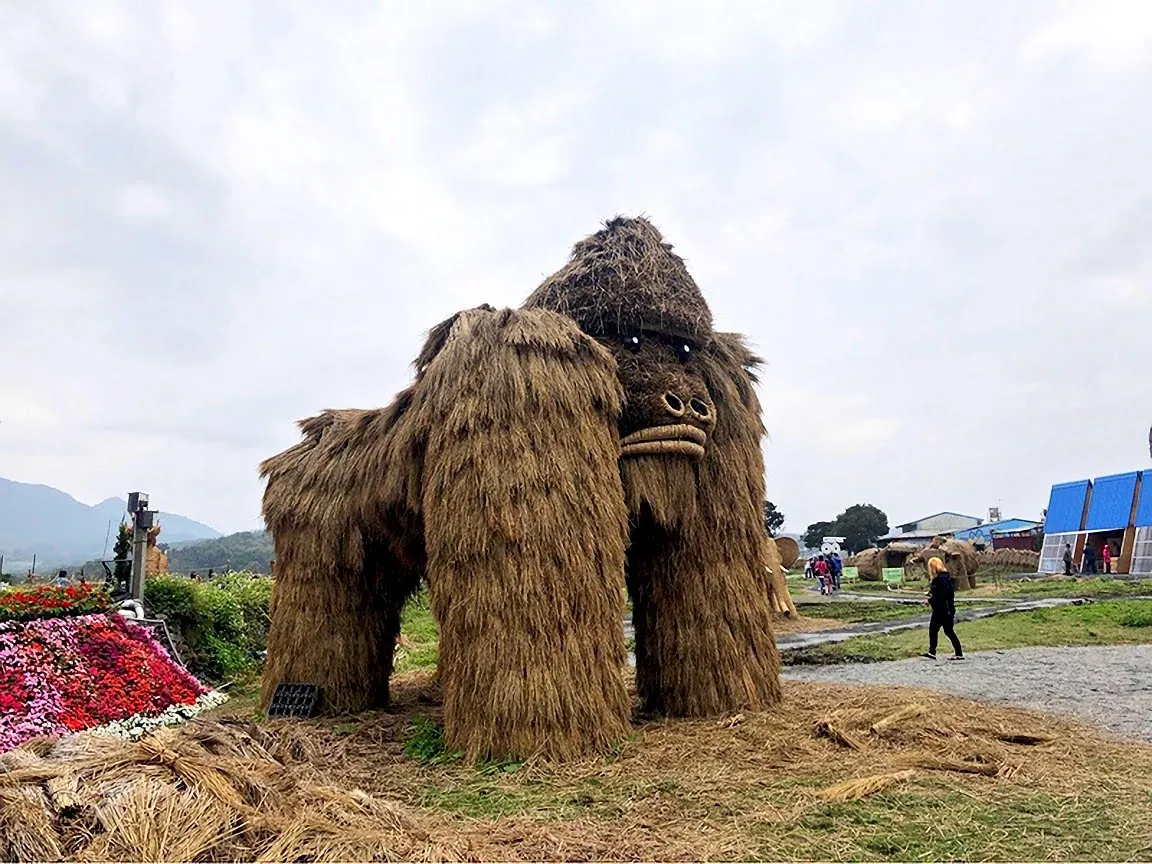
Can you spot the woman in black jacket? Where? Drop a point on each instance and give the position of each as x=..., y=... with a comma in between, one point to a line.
x=942, y=599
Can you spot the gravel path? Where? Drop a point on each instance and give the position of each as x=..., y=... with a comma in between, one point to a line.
x=1109, y=686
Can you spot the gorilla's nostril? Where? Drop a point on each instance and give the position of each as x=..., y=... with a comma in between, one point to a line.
x=699, y=406
x=674, y=404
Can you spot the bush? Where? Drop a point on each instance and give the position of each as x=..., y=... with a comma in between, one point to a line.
x=222, y=623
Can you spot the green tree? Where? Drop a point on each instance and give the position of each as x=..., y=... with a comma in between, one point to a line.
x=773, y=518
x=122, y=552
x=816, y=533
x=860, y=525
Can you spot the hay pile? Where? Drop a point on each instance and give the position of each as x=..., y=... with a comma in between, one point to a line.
x=871, y=562
x=209, y=792
x=868, y=564
x=960, y=557
x=1024, y=560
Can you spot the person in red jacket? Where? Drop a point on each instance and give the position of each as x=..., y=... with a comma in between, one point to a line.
x=1106, y=555
x=823, y=575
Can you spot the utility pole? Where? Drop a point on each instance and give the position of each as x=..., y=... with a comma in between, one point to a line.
x=142, y=520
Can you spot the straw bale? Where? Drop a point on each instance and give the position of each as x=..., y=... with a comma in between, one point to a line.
x=155, y=558
x=851, y=790
x=789, y=551
x=908, y=712
x=869, y=564
x=828, y=728
x=161, y=799
x=935, y=763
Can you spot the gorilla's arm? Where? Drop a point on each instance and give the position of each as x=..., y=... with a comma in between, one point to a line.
x=525, y=532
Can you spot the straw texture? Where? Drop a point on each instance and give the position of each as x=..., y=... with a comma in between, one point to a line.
x=601, y=437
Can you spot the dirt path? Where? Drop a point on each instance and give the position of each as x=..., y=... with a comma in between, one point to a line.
x=1108, y=686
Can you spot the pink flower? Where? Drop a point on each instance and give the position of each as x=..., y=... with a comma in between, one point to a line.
x=62, y=674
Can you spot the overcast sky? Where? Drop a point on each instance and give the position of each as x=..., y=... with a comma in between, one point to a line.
x=934, y=220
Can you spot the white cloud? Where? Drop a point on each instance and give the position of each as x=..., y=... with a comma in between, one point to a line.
x=1113, y=34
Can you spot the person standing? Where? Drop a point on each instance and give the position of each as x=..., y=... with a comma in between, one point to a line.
x=1067, y=559
x=1089, y=559
x=942, y=599
x=1106, y=556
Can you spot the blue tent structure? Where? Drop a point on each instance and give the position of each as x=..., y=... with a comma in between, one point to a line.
x=1116, y=509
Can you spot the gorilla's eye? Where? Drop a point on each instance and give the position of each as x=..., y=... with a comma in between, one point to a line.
x=633, y=342
x=684, y=351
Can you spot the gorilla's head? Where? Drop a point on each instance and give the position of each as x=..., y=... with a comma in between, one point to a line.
x=625, y=287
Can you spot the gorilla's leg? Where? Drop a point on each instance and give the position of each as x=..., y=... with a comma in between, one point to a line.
x=704, y=643
x=334, y=623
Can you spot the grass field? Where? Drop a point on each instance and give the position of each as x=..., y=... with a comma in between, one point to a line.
x=1107, y=622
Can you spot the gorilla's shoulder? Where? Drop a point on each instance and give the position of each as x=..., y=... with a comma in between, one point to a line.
x=483, y=330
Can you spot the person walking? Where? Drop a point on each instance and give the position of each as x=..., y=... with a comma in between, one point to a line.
x=942, y=599
x=1067, y=559
x=837, y=568
x=1106, y=556
x=821, y=569
x=1089, y=559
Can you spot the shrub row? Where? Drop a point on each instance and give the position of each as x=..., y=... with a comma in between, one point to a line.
x=222, y=624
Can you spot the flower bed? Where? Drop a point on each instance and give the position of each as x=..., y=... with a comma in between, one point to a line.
x=60, y=675
x=48, y=601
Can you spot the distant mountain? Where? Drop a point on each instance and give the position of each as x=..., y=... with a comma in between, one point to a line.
x=248, y=550
x=54, y=526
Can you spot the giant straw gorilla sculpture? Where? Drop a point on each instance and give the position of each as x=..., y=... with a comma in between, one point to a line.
x=602, y=436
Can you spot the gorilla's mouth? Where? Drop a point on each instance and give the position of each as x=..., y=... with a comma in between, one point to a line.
x=676, y=440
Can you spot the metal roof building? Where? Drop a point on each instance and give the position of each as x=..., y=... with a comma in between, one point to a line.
x=986, y=533
x=1116, y=509
x=921, y=531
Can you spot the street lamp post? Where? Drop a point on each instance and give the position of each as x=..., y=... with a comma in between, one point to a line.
x=142, y=520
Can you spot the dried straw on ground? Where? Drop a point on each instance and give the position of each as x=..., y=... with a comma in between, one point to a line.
x=750, y=787
x=507, y=477
x=211, y=792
